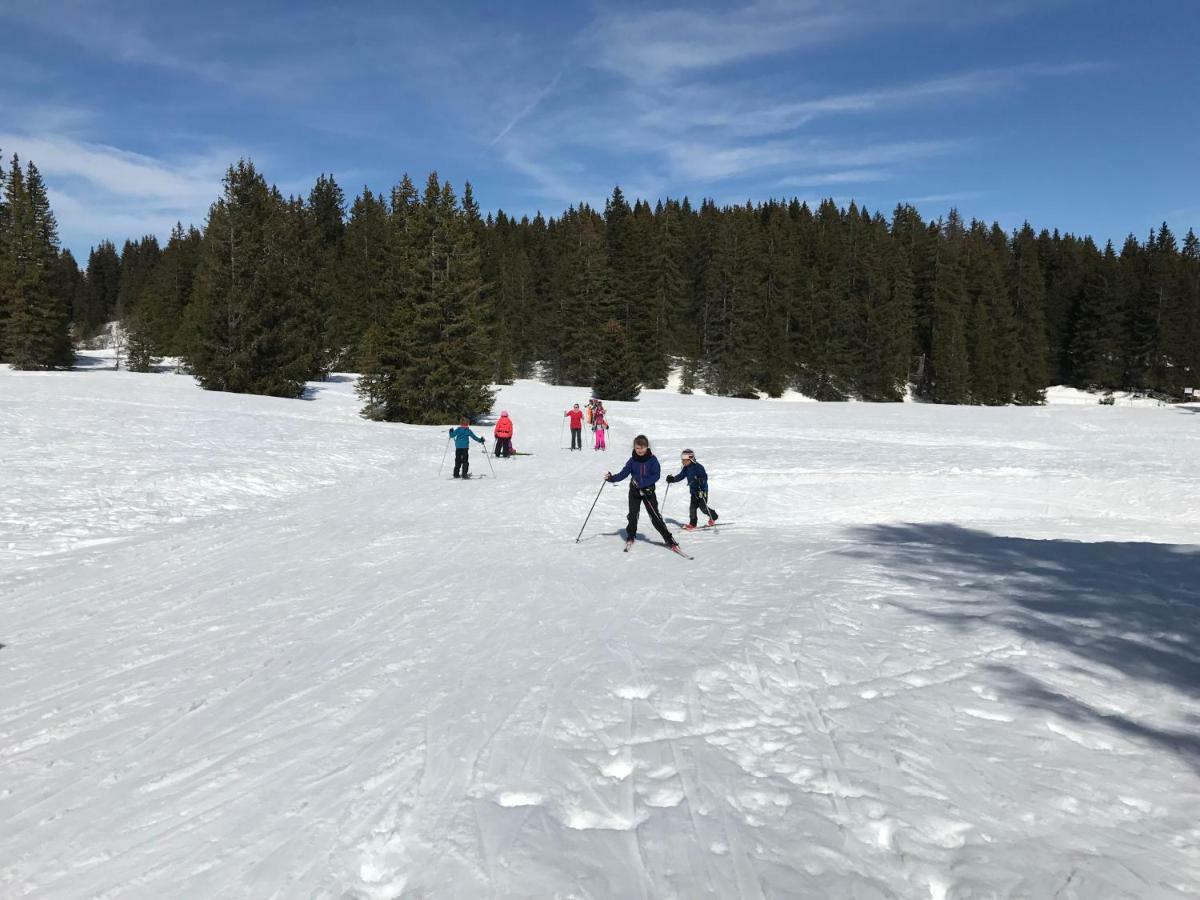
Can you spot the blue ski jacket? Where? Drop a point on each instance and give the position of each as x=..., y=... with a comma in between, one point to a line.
x=462, y=437
x=697, y=478
x=643, y=469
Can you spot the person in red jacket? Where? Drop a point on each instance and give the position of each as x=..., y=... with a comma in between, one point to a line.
x=576, y=417
x=503, y=434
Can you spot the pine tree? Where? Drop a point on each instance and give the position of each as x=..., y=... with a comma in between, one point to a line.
x=1096, y=339
x=616, y=378
x=37, y=322
x=103, y=280
x=431, y=364
x=1029, y=298
x=250, y=328
x=949, y=359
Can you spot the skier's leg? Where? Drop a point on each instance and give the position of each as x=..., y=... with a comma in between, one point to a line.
x=635, y=507
x=466, y=461
x=708, y=510
x=696, y=501
x=660, y=526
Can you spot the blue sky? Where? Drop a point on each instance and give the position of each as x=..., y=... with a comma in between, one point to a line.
x=1077, y=115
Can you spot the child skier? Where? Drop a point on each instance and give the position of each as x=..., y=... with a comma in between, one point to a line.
x=503, y=434
x=600, y=426
x=463, y=435
x=576, y=417
x=643, y=471
x=697, y=480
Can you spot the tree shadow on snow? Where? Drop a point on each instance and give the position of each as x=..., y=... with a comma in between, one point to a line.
x=1132, y=608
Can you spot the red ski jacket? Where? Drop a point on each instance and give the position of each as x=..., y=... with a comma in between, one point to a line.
x=576, y=417
x=504, y=427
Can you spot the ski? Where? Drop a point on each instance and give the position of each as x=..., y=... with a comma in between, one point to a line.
x=679, y=552
x=628, y=544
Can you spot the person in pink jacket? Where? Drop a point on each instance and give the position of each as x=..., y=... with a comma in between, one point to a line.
x=600, y=427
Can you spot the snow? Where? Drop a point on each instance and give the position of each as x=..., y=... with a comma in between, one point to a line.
x=258, y=647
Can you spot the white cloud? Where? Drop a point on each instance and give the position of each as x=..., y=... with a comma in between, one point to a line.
x=99, y=191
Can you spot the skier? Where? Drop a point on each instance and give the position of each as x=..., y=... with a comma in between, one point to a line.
x=643, y=471
x=576, y=417
x=697, y=479
x=463, y=435
x=503, y=434
x=600, y=426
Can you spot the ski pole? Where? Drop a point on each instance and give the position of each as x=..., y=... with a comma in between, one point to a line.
x=561, y=429
x=489, y=459
x=663, y=506
x=444, y=452
x=589, y=515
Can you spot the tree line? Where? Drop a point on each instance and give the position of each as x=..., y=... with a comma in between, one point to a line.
x=432, y=302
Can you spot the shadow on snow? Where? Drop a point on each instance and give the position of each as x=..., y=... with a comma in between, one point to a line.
x=1127, y=608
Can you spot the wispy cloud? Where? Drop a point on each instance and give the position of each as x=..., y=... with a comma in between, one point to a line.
x=100, y=191
x=528, y=108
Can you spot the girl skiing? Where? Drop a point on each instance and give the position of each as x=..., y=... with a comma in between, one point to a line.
x=697, y=479
x=503, y=434
x=643, y=471
x=600, y=426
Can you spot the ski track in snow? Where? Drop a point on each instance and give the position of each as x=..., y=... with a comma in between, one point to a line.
x=256, y=647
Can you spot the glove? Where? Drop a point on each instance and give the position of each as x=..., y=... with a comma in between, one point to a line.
x=670, y=479
x=608, y=476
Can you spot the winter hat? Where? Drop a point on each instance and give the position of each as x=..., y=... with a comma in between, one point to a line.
x=687, y=454
x=504, y=412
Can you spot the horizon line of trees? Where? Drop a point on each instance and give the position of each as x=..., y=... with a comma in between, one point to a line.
x=432, y=303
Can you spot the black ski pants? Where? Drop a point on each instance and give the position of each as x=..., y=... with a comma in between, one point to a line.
x=503, y=446
x=462, y=461
x=700, y=502
x=637, y=497
x=576, y=438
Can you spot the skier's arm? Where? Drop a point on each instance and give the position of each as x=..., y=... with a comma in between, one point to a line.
x=623, y=474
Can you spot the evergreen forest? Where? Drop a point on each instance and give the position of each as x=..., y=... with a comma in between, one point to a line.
x=433, y=302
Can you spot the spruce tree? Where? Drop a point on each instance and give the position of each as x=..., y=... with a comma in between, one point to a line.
x=250, y=327
x=37, y=322
x=1029, y=298
x=616, y=378
x=430, y=365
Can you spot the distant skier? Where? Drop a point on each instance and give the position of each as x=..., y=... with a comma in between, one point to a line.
x=600, y=427
x=463, y=435
x=697, y=479
x=503, y=433
x=576, y=417
x=643, y=472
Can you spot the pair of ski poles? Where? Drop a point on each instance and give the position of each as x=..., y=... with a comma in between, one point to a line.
x=597, y=500
x=447, y=450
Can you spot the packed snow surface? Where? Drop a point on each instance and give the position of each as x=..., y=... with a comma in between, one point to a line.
x=263, y=648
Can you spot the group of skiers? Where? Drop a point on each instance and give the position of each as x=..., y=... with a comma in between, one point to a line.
x=642, y=469
x=596, y=417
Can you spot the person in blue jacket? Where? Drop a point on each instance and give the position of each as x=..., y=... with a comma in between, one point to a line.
x=697, y=480
x=643, y=472
x=462, y=446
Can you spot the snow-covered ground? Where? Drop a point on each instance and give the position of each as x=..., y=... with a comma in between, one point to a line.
x=260, y=648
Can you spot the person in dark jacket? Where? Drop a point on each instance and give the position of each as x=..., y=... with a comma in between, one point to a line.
x=463, y=435
x=643, y=472
x=697, y=479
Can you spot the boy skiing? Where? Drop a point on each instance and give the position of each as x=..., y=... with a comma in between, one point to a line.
x=463, y=435
x=643, y=471
x=576, y=417
x=503, y=433
x=697, y=480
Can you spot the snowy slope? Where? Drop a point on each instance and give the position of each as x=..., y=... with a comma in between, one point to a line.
x=259, y=648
